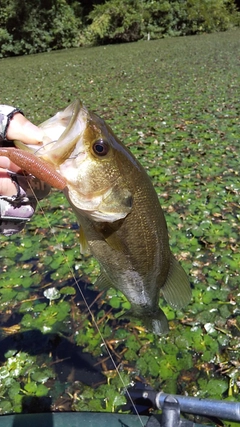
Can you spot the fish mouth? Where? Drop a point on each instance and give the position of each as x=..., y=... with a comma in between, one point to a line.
x=62, y=132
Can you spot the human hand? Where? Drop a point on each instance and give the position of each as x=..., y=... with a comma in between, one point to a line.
x=17, y=200
x=22, y=129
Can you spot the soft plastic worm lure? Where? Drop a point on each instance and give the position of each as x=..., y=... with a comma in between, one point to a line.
x=34, y=165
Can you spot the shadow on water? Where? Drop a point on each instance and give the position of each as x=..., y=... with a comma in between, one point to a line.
x=33, y=405
x=69, y=361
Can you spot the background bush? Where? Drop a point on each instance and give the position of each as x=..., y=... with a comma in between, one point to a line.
x=124, y=20
x=37, y=26
x=41, y=25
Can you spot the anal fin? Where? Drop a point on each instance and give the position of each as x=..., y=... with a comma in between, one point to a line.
x=103, y=283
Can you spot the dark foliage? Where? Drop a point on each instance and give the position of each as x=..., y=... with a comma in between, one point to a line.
x=39, y=26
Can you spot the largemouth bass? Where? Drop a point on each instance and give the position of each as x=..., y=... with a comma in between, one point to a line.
x=120, y=217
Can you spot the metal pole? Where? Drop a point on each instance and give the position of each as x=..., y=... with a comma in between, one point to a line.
x=170, y=412
x=212, y=408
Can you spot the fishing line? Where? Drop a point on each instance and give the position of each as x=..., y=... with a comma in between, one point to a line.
x=42, y=147
x=50, y=143
x=89, y=310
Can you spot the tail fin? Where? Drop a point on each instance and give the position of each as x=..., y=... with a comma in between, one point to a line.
x=157, y=323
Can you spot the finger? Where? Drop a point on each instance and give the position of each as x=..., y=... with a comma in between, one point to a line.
x=33, y=134
x=6, y=163
x=7, y=187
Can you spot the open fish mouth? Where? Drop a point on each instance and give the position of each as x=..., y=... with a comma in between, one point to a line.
x=65, y=129
x=61, y=134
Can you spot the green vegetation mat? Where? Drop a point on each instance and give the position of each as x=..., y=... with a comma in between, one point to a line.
x=175, y=103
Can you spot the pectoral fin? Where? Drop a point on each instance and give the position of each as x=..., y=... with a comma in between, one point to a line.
x=115, y=243
x=109, y=233
x=177, y=290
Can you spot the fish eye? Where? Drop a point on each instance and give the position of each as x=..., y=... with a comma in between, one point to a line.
x=100, y=147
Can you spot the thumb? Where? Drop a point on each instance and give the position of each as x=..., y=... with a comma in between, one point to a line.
x=22, y=129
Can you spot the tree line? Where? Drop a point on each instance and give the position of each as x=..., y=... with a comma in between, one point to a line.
x=35, y=26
